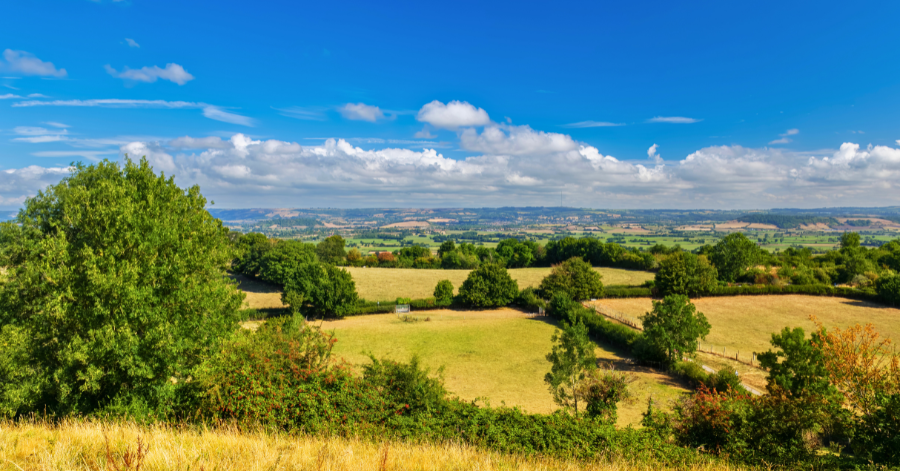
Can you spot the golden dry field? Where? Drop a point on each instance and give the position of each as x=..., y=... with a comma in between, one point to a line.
x=382, y=284
x=497, y=354
x=82, y=445
x=746, y=323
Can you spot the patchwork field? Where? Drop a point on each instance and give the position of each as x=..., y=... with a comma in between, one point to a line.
x=498, y=355
x=746, y=323
x=382, y=284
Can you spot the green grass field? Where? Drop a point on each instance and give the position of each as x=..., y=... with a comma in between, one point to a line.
x=498, y=355
x=384, y=284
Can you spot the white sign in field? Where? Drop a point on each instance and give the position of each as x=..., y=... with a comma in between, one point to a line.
x=401, y=308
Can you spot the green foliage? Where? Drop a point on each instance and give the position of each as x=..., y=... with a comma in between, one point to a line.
x=406, y=384
x=444, y=290
x=282, y=262
x=674, y=326
x=725, y=380
x=572, y=358
x=326, y=290
x=733, y=255
x=574, y=277
x=488, y=286
x=515, y=253
x=797, y=367
x=785, y=221
x=249, y=250
x=602, y=390
x=685, y=273
x=878, y=437
x=849, y=240
x=888, y=289
x=331, y=250
x=446, y=247
x=115, y=291
x=529, y=300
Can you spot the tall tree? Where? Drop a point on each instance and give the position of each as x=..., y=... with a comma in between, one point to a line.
x=331, y=250
x=733, y=255
x=572, y=358
x=489, y=286
x=675, y=326
x=574, y=277
x=685, y=273
x=115, y=290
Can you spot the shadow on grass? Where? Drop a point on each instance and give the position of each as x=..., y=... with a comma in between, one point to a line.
x=245, y=283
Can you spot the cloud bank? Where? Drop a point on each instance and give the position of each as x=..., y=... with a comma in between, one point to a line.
x=25, y=63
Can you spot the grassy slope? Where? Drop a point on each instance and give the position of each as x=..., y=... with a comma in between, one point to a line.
x=76, y=445
x=498, y=354
x=379, y=284
x=746, y=323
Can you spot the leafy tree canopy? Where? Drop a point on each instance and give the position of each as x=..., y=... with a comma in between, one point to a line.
x=733, y=255
x=324, y=290
x=571, y=359
x=574, y=277
x=674, y=326
x=281, y=262
x=331, y=250
x=685, y=273
x=797, y=367
x=443, y=291
x=115, y=290
x=489, y=286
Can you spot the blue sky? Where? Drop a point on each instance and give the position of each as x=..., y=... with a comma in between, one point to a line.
x=283, y=104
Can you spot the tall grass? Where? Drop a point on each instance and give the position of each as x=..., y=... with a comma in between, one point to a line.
x=97, y=445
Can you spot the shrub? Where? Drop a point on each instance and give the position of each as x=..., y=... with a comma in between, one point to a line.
x=385, y=257
x=325, y=290
x=574, y=277
x=725, y=380
x=115, y=291
x=888, y=289
x=601, y=392
x=488, y=286
x=529, y=300
x=444, y=290
x=685, y=273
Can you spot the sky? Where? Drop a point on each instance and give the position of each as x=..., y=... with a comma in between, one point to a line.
x=618, y=105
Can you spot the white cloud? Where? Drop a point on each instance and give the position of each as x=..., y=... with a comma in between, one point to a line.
x=218, y=114
x=188, y=142
x=94, y=155
x=25, y=63
x=592, y=124
x=56, y=124
x=173, y=73
x=132, y=42
x=304, y=113
x=653, y=155
x=784, y=137
x=209, y=111
x=38, y=135
x=453, y=115
x=9, y=96
x=18, y=184
x=673, y=120
x=425, y=133
x=361, y=112
x=506, y=139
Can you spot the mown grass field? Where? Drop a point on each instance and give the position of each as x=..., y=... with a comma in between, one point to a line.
x=384, y=284
x=499, y=355
x=746, y=323
x=82, y=445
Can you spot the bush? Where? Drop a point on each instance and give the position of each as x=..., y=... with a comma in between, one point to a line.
x=324, y=291
x=685, y=273
x=725, y=380
x=488, y=286
x=574, y=277
x=114, y=292
x=529, y=300
x=888, y=289
x=444, y=290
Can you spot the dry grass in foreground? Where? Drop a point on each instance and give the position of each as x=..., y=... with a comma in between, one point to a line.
x=75, y=445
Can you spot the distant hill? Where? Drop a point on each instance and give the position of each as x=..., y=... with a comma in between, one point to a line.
x=784, y=221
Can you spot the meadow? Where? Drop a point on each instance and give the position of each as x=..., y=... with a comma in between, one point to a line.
x=746, y=323
x=93, y=445
x=496, y=356
x=383, y=284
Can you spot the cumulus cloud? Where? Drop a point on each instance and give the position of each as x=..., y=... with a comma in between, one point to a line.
x=18, y=184
x=9, y=96
x=592, y=124
x=653, y=155
x=784, y=139
x=209, y=111
x=453, y=115
x=673, y=120
x=132, y=42
x=173, y=73
x=188, y=142
x=25, y=63
x=361, y=112
x=507, y=139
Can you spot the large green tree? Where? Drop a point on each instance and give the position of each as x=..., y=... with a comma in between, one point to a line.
x=888, y=288
x=675, y=326
x=574, y=277
x=571, y=358
x=281, y=262
x=685, y=273
x=488, y=286
x=115, y=291
x=331, y=250
x=322, y=290
x=250, y=250
x=733, y=255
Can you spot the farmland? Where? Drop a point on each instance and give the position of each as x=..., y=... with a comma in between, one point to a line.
x=497, y=355
x=382, y=284
x=746, y=323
